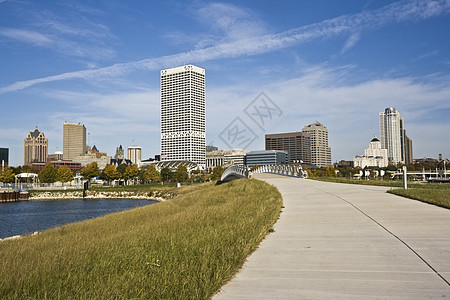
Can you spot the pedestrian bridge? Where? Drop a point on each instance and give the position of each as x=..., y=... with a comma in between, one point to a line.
x=236, y=172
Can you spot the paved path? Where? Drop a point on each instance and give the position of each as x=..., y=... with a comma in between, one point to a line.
x=338, y=241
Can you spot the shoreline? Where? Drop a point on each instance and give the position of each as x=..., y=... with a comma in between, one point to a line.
x=73, y=195
x=69, y=195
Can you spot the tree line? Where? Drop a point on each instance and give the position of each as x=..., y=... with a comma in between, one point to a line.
x=123, y=172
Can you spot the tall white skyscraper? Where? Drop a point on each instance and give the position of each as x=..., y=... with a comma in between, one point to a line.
x=392, y=134
x=394, y=138
x=183, y=110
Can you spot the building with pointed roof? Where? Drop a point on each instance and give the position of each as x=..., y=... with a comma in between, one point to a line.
x=35, y=147
x=119, y=153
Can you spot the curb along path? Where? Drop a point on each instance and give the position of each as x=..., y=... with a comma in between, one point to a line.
x=341, y=241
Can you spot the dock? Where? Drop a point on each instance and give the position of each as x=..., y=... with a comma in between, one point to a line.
x=13, y=196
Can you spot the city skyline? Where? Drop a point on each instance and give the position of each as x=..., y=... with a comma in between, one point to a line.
x=337, y=63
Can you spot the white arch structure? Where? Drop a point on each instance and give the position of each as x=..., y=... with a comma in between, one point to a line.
x=235, y=172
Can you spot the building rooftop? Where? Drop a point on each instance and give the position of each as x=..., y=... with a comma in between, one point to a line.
x=35, y=133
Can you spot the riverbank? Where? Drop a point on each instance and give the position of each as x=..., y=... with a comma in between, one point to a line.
x=147, y=195
x=186, y=248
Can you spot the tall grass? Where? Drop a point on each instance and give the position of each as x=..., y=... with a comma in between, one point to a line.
x=184, y=248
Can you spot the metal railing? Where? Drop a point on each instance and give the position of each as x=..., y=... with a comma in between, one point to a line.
x=235, y=172
x=295, y=170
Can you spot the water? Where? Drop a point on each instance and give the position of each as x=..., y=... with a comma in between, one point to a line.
x=19, y=218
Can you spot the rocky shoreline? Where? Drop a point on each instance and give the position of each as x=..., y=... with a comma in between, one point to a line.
x=152, y=195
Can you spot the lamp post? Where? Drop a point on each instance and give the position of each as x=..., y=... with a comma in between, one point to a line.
x=445, y=170
x=405, y=179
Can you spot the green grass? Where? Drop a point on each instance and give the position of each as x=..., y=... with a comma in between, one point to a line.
x=390, y=183
x=433, y=193
x=437, y=194
x=184, y=248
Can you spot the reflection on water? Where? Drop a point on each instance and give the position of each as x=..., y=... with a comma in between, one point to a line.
x=19, y=218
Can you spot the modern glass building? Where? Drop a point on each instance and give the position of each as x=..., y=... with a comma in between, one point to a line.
x=266, y=157
x=183, y=110
x=4, y=156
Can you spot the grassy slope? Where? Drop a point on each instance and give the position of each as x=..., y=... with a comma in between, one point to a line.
x=183, y=248
x=437, y=194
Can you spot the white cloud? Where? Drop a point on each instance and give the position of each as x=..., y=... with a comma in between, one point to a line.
x=350, y=111
x=231, y=22
x=73, y=35
x=252, y=45
x=351, y=41
x=27, y=36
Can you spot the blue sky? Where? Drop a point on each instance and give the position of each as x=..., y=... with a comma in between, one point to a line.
x=338, y=62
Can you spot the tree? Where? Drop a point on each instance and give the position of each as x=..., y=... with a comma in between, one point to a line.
x=110, y=172
x=7, y=175
x=329, y=172
x=196, y=171
x=48, y=174
x=64, y=174
x=149, y=174
x=181, y=173
x=121, y=169
x=131, y=172
x=217, y=173
x=154, y=174
x=90, y=171
x=166, y=174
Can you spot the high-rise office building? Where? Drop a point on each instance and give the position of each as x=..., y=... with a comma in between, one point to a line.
x=134, y=154
x=297, y=143
x=393, y=137
x=35, y=147
x=408, y=151
x=183, y=109
x=4, y=156
x=320, y=151
x=74, y=140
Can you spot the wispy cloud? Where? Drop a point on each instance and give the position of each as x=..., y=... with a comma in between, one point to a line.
x=351, y=41
x=74, y=35
x=27, y=36
x=248, y=44
x=350, y=111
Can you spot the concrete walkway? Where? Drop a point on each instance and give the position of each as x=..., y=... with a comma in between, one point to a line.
x=339, y=241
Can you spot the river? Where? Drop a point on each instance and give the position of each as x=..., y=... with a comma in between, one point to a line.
x=19, y=218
